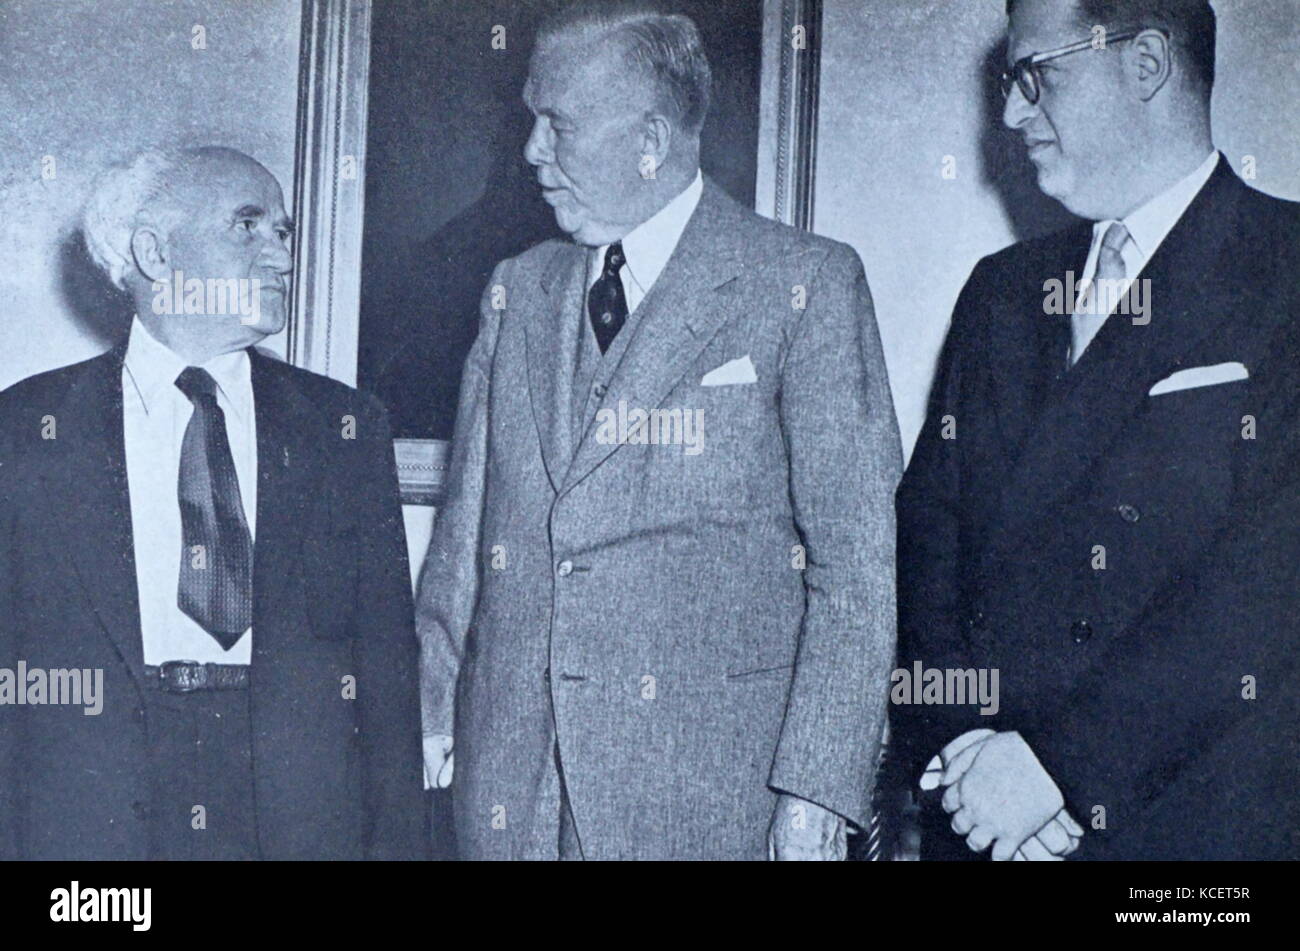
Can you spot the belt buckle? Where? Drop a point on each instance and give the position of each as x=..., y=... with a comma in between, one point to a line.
x=181, y=676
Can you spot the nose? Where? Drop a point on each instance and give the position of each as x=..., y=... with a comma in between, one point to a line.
x=537, y=150
x=1017, y=110
x=277, y=257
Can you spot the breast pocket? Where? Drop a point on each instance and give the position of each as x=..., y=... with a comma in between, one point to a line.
x=1194, y=433
x=729, y=426
x=1222, y=393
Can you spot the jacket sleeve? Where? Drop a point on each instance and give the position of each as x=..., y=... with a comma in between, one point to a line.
x=929, y=508
x=386, y=655
x=842, y=440
x=449, y=579
x=8, y=646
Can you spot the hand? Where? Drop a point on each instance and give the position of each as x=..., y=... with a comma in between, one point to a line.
x=969, y=740
x=1053, y=842
x=999, y=794
x=803, y=831
x=438, y=761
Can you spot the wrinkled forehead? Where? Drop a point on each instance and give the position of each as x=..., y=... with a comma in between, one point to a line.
x=582, y=75
x=1039, y=25
x=222, y=180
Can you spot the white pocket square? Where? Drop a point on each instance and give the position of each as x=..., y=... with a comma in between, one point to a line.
x=731, y=372
x=1200, y=376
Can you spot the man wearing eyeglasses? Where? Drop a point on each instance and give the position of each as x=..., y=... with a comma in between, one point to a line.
x=1104, y=503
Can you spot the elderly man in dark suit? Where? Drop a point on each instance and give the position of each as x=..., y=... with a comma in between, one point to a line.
x=657, y=612
x=220, y=535
x=1104, y=502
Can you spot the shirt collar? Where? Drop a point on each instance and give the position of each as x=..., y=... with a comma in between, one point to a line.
x=1150, y=224
x=649, y=245
x=153, y=368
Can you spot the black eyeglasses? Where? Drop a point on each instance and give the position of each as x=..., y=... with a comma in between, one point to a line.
x=1024, y=72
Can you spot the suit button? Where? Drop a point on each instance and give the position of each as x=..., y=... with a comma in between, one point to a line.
x=140, y=810
x=564, y=569
x=976, y=621
x=1081, y=631
x=1129, y=513
x=600, y=391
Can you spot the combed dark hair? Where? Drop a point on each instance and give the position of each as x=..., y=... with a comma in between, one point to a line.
x=1191, y=24
x=665, y=46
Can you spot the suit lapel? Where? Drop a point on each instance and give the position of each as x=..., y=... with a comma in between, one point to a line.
x=552, y=335
x=1026, y=351
x=682, y=313
x=1032, y=346
x=291, y=455
x=90, y=503
x=1109, y=384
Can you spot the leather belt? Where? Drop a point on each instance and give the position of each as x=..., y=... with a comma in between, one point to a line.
x=186, y=676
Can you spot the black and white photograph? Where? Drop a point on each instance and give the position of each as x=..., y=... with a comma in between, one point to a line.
x=651, y=430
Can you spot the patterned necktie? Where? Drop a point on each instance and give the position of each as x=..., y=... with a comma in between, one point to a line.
x=1110, y=271
x=606, y=303
x=216, y=582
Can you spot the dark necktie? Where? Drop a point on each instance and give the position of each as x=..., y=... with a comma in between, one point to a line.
x=216, y=582
x=606, y=303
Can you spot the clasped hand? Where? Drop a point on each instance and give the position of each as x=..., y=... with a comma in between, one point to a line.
x=999, y=794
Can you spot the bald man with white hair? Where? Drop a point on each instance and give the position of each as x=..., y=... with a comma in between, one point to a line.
x=218, y=536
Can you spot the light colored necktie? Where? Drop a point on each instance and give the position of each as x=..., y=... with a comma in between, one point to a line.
x=1110, y=271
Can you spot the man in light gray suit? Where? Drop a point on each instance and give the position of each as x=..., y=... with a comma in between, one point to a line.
x=657, y=614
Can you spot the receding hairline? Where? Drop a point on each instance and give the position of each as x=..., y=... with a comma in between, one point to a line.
x=191, y=160
x=602, y=58
x=601, y=20
x=583, y=65
x=664, y=48
x=582, y=35
x=187, y=170
x=154, y=188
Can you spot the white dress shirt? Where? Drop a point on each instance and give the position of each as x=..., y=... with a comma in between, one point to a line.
x=1148, y=227
x=154, y=416
x=649, y=245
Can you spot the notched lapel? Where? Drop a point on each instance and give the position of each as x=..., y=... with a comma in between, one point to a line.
x=1109, y=384
x=90, y=502
x=551, y=327
x=1029, y=346
x=681, y=315
x=291, y=455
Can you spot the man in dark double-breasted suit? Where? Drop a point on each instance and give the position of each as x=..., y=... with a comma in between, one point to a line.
x=1104, y=504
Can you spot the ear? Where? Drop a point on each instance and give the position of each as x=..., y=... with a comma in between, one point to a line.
x=656, y=142
x=150, y=254
x=1150, y=62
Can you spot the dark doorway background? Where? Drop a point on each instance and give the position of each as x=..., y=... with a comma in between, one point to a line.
x=448, y=193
